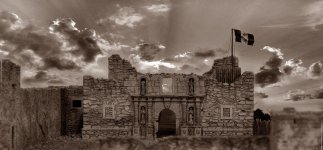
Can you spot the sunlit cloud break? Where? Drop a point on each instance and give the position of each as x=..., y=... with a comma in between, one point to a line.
x=276, y=51
x=126, y=16
x=158, y=8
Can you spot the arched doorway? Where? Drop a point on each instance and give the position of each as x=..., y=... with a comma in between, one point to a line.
x=166, y=123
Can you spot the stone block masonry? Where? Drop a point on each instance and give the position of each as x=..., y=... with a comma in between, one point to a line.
x=238, y=98
x=31, y=116
x=72, y=109
x=9, y=74
x=129, y=103
x=27, y=116
x=106, y=108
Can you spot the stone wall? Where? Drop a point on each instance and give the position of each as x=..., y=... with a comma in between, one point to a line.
x=72, y=116
x=32, y=115
x=238, y=97
x=38, y=116
x=27, y=116
x=101, y=94
x=292, y=130
x=225, y=70
x=9, y=74
x=119, y=69
x=222, y=86
x=6, y=139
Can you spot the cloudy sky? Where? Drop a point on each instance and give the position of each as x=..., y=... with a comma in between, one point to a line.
x=58, y=41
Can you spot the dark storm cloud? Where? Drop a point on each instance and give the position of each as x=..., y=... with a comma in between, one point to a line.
x=31, y=45
x=85, y=40
x=274, y=61
x=27, y=41
x=315, y=69
x=43, y=77
x=261, y=95
x=59, y=63
x=267, y=76
x=288, y=70
x=318, y=94
x=186, y=68
x=206, y=53
x=148, y=51
x=270, y=72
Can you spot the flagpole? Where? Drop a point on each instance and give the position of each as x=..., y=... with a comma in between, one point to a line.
x=232, y=43
x=232, y=30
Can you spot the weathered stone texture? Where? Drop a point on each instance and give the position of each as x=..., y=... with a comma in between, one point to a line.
x=38, y=115
x=72, y=117
x=179, y=87
x=238, y=96
x=33, y=115
x=9, y=74
x=99, y=93
x=119, y=69
x=221, y=86
x=28, y=115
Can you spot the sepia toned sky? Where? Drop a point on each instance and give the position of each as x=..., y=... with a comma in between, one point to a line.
x=58, y=41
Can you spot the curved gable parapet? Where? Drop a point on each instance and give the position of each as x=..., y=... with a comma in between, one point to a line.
x=179, y=84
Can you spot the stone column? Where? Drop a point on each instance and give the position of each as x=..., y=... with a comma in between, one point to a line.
x=184, y=108
x=136, y=125
x=150, y=131
x=198, y=111
x=184, y=112
x=136, y=111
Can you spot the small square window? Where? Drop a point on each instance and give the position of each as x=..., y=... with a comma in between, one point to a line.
x=77, y=103
x=167, y=85
x=108, y=112
x=226, y=112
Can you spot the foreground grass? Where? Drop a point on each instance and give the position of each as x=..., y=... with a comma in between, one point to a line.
x=169, y=143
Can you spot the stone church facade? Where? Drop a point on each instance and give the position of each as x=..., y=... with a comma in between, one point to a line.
x=218, y=103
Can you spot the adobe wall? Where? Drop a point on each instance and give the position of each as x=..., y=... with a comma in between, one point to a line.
x=99, y=93
x=9, y=74
x=8, y=101
x=30, y=116
x=237, y=96
x=38, y=115
x=27, y=116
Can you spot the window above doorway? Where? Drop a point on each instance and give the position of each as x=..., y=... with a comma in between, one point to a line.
x=167, y=85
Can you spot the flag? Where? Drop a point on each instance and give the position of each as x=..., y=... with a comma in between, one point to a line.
x=246, y=37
